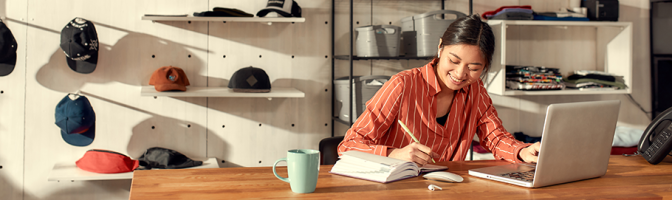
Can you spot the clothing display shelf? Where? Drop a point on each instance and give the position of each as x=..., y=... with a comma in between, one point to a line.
x=68, y=171
x=351, y=57
x=228, y=19
x=347, y=57
x=224, y=91
x=276, y=92
x=616, y=54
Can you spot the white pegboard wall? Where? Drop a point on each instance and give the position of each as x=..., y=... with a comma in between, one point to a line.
x=256, y=129
x=226, y=128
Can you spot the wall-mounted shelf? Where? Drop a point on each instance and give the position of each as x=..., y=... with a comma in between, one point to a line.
x=223, y=92
x=347, y=57
x=70, y=172
x=558, y=23
x=227, y=19
x=562, y=92
x=566, y=45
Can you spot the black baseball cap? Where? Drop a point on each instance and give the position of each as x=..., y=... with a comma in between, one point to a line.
x=285, y=8
x=250, y=79
x=223, y=12
x=8, y=48
x=79, y=42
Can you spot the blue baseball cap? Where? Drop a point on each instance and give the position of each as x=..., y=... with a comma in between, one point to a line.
x=76, y=120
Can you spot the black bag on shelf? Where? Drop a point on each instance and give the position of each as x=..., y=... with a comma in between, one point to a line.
x=158, y=157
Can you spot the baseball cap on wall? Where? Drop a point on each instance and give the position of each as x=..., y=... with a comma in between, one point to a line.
x=169, y=78
x=8, y=48
x=250, y=79
x=79, y=42
x=77, y=120
x=285, y=8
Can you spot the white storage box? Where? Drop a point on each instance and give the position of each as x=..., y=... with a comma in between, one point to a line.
x=364, y=89
x=378, y=40
x=421, y=33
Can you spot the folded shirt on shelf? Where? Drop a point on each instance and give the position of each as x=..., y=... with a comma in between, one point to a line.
x=560, y=14
x=518, y=9
x=594, y=80
x=533, y=78
x=513, y=14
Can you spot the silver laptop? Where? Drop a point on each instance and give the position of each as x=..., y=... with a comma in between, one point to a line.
x=575, y=145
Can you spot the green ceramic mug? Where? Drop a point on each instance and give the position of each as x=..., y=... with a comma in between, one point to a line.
x=303, y=166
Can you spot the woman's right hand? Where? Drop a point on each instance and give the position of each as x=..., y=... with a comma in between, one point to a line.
x=414, y=152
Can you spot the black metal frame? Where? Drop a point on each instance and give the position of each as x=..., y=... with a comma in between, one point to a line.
x=352, y=57
x=653, y=56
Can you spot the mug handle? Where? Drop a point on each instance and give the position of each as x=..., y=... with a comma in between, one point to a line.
x=276, y=174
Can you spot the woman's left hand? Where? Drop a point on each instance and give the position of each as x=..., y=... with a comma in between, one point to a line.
x=530, y=154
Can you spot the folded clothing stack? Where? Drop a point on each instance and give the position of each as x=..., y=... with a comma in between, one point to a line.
x=560, y=16
x=594, y=80
x=533, y=78
x=510, y=13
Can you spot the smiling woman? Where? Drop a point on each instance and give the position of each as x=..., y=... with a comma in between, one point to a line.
x=444, y=104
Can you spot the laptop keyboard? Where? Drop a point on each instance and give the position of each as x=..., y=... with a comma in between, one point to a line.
x=523, y=176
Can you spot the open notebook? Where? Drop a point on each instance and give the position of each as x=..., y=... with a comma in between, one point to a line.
x=378, y=168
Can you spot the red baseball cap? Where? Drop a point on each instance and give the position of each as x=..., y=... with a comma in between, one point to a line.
x=169, y=78
x=106, y=161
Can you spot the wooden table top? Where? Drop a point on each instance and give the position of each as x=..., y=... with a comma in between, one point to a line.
x=626, y=178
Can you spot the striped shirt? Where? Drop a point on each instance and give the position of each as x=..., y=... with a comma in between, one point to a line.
x=411, y=96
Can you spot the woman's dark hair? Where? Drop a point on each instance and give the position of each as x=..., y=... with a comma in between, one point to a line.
x=472, y=31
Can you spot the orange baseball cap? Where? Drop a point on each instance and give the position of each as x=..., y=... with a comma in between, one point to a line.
x=169, y=78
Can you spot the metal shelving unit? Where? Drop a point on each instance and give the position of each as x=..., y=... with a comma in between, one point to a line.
x=351, y=57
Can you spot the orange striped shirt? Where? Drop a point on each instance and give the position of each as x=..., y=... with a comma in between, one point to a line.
x=411, y=96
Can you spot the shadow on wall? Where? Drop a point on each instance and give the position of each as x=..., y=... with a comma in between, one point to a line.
x=130, y=61
x=171, y=133
x=10, y=191
x=117, y=63
x=264, y=110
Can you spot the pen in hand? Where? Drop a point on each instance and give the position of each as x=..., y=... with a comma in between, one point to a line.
x=411, y=134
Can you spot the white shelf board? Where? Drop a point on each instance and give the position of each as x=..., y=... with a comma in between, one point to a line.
x=559, y=23
x=563, y=92
x=70, y=172
x=223, y=92
x=227, y=19
x=616, y=53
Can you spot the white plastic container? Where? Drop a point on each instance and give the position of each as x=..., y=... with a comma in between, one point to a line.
x=365, y=87
x=421, y=33
x=378, y=41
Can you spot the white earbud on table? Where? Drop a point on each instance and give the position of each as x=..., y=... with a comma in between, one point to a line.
x=433, y=187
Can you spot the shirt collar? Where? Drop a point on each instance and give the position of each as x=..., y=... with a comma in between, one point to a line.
x=433, y=82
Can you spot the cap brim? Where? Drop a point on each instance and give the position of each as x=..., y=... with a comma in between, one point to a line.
x=170, y=87
x=83, y=66
x=251, y=90
x=265, y=11
x=7, y=67
x=80, y=139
